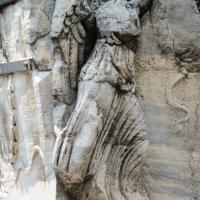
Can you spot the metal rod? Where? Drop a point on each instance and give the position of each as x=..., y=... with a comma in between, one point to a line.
x=17, y=66
x=6, y=2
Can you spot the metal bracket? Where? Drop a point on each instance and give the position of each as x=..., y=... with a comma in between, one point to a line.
x=17, y=66
x=6, y=2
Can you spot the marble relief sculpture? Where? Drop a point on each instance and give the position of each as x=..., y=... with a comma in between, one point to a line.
x=104, y=139
x=71, y=126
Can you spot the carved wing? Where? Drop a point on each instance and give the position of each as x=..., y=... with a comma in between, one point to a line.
x=69, y=37
x=70, y=13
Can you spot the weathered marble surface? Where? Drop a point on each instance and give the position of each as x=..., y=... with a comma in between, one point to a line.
x=27, y=135
x=35, y=106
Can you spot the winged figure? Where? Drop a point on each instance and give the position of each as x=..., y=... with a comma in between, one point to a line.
x=104, y=139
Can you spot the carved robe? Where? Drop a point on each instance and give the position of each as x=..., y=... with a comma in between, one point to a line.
x=107, y=123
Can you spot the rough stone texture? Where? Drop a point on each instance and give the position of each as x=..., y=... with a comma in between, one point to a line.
x=27, y=135
x=161, y=72
x=168, y=84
